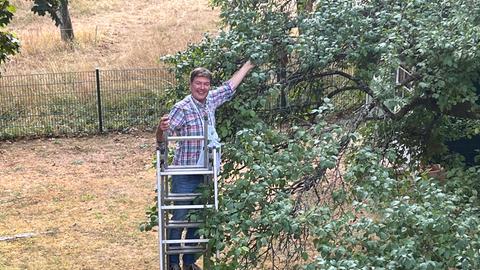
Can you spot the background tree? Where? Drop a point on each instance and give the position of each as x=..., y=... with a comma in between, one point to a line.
x=325, y=180
x=9, y=44
x=58, y=11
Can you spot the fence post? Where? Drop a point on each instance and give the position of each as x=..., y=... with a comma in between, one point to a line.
x=99, y=101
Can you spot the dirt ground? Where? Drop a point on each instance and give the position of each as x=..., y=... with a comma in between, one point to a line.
x=79, y=201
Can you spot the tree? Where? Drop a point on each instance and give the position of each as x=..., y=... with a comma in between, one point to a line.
x=9, y=44
x=327, y=179
x=58, y=11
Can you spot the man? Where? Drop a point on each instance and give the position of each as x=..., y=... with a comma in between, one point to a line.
x=187, y=119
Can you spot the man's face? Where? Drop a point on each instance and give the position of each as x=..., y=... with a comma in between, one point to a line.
x=199, y=88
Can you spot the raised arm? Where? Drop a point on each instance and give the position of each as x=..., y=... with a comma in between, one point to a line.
x=238, y=76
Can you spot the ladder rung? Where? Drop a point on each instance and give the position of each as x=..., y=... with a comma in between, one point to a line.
x=178, y=194
x=188, y=206
x=183, y=224
x=187, y=172
x=185, y=250
x=182, y=196
x=184, y=138
x=185, y=241
x=184, y=167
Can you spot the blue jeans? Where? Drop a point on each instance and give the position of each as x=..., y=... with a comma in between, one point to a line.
x=183, y=184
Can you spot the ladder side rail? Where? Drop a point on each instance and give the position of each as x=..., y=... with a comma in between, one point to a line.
x=165, y=218
x=164, y=150
x=208, y=178
x=205, y=142
x=215, y=179
x=159, y=208
x=215, y=187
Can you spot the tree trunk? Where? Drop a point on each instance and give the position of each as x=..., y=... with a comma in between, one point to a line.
x=282, y=73
x=66, y=27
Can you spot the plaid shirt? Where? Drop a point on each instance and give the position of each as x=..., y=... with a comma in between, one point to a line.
x=186, y=121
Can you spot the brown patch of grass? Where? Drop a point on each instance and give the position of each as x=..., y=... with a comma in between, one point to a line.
x=109, y=34
x=88, y=194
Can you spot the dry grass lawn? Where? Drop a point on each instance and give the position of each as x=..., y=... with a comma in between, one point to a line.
x=110, y=34
x=83, y=198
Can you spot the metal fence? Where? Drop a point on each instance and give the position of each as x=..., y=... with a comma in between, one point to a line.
x=81, y=102
x=107, y=100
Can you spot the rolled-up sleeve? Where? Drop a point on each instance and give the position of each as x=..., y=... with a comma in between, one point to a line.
x=221, y=95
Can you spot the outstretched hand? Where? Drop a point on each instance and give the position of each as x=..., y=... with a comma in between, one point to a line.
x=249, y=64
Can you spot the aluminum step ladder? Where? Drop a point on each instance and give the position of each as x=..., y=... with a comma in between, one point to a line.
x=166, y=200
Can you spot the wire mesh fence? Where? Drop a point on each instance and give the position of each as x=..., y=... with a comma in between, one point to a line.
x=81, y=102
x=108, y=100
